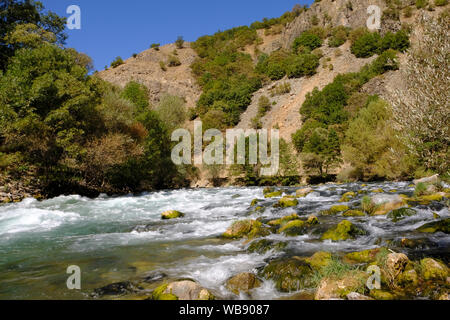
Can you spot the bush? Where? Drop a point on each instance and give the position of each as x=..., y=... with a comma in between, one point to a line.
x=172, y=111
x=366, y=45
x=264, y=106
x=117, y=62
x=162, y=66
x=155, y=46
x=281, y=89
x=307, y=40
x=179, y=42
x=339, y=36
x=136, y=93
x=420, y=4
x=303, y=65
x=398, y=41
x=173, y=61
x=440, y=3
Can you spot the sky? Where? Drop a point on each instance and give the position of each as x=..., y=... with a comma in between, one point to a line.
x=111, y=28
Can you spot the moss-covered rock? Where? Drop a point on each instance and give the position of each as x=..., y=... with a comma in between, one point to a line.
x=395, y=264
x=408, y=279
x=274, y=194
x=335, y=210
x=377, y=190
x=354, y=213
x=246, y=228
x=172, y=214
x=381, y=295
x=338, y=288
x=366, y=256
x=255, y=202
x=312, y=220
x=294, y=228
x=289, y=275
x=264, y=245
x=287, y=202
x=346, y=197
x=430, y=198
x=400, y=214
x=284, y=220
x=433, y=270
x=437, y=226
x=343, y=231
x=243, y=283
x=319, y=260
x=161, y=293
x=383, y=204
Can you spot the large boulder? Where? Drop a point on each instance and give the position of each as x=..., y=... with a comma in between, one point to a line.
x=400, y=214
x=243, y=283
x=332, y=288
x=335, y=210
x=264, y=245
x=365, y=256
x=289, y=274
x=433, y=270
x=385, y=203
x=294, y=228
x=303, y=192
x=428, y=180
x=287, y=202
x=245, y=228
x=282, y=221
x=171, y=214
x=182, y=290
x=395, y=264
x=319, y=260
x=357, y=296
x=343, y=231
x=346, y=197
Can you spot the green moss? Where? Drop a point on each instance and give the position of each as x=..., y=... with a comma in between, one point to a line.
x=433, y=270
x=430, y=198
x=354, y=213
x=381, y=295
x=293, y=228
x=366, y=256
x=378, y=191
x=312, y=220
x=289, y=275
x=284, y=220
x=158, y=294
x=287, y=202
x=335, y=210
x=273, y=194
x=255, y=202
x=319, y=260
x=433, y=227
x=344, y=231
x=245, y=228
x=172, y=214
x=408, y=278
x=268, y=190
x=347, y=197
x=264, y=245
x=400, y=214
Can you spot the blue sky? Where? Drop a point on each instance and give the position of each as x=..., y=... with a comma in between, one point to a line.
x=112, y=28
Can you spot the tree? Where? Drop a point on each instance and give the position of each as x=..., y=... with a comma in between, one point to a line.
x=138, y=94
x=172, y=111
x=15, y=12
x=421, y=107
x=307, y=40
x=179, y=42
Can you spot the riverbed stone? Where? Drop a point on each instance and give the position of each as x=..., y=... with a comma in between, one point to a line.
x=428, y=180
x=287, y=202
x=338, y=288
x=354, y=213
x=395, y=264
x=182, y=290
x=400, y=214
x=282, y=221
x=274, y=194
x=385, y=203
x=319, y=260
x=381, y=295
x=294, y=228
x=343, y=231
x=433, y=270
x=437, y=226
x=346, y=197
x=246, y=228
x=289, y=274
x=335, y=210
x=243, y=283
x=115, y=289
x=357, y=296
x=303, y=192
x=365, y=256
x=171, y=214
x=408, y=278
x=264, y=245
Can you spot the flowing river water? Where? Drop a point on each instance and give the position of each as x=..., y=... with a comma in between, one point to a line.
x=115, y=239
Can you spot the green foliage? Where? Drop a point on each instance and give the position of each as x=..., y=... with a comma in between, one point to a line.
x=420, y=4
x=155, y=46
x=282, y=63
x=339, y=36
x=264, y=106
x=172, y=111
x=117, y=62
x=179, y=42
x=308, y=41
x=302, y=65
x=137, y=94
x=440, y=3
x=14, y=13
x=173, y=61
x=369, y=43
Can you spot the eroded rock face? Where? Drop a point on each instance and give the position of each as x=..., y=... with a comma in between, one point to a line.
x=182, y=290
x=243, y=283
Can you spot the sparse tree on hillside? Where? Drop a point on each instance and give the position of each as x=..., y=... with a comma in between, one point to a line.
x=421, y=108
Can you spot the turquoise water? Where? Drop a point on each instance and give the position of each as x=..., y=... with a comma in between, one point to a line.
x=115, y=239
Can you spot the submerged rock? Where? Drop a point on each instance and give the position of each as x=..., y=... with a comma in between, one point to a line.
x=264, y=245
x=273, y=194
x=343, y=231
x=433, y=270
x=346, y=197
x=182, y=290
x=294, y=228
x=400, y=214
x=245, y=228
x=366, y=256
x=354, y=213
x=116, y=289
x=335, y=210
x=243, y=283
x=172, y=214
x=433, y=227
x=289, y=275
x=284, y=220
x=381, y=295
x=384, y=203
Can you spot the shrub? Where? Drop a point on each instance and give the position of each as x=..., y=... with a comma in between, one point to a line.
x=264, y=106
x=307, y=40
x=173, y=61
x=303, y=65
x=117, y=62
x=440, y=3
x=136, y=93
x=398, y=41
x=420, y=4
x=172, y=111
x=339, y=36
x=163, y=66
x=281, y=89
x=179, y=42
x=155, y=46
x=366, y=45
